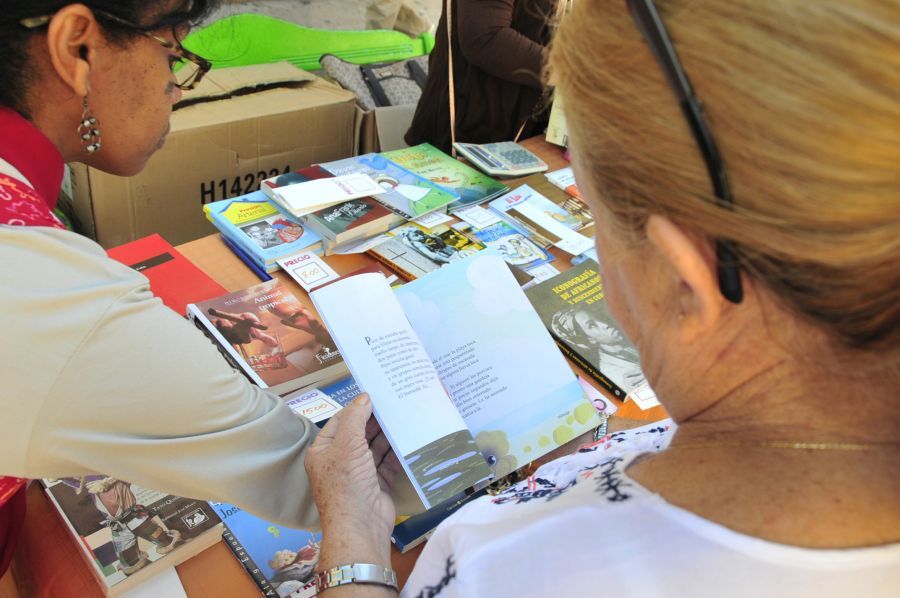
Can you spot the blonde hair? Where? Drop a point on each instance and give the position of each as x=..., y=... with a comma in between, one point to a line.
x=803, y=99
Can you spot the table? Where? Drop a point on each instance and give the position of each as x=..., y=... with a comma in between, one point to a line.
x=48, y=562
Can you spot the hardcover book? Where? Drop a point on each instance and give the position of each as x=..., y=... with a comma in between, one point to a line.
x=128, y=533
x=265, y=233
x=280, y=560
x=472, y=186
x=572, y=307
x=173, y=278
x=406, y=193
x=465, y=380
x=273, y=336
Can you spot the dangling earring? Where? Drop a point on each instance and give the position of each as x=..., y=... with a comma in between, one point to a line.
x=89, y=130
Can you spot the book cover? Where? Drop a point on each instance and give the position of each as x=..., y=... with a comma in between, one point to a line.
x=543, y=219
x=415, y=250
x=127, y=532
x=281, y=560
x=352, y=220
x=472, y=186
x=303, y=175
x=515, y=247
x=572, y=307
x=173, y=278
x=406, y=193
x=261, y=229
x=274, y=336
x=456, y=363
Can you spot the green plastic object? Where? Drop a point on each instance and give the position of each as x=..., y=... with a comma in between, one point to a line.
x=247, y=39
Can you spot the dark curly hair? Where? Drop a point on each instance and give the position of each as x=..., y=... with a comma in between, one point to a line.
x=149, y=15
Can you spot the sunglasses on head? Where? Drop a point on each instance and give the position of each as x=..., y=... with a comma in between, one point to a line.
x=649, y=23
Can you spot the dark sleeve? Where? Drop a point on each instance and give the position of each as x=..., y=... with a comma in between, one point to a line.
x=488, y=41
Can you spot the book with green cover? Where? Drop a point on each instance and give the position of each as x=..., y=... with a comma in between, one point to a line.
x=405, y=192
x=428, y=161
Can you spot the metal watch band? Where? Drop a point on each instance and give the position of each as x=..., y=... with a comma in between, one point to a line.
x=356, y=573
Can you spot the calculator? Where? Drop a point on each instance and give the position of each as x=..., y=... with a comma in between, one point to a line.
x=505, y=158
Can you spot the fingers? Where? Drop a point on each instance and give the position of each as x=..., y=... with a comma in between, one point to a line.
x=372, y=429
x=388, y=470
x=380, y=447
x=352, y=419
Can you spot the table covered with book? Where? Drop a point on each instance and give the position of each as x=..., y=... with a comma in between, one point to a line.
x=48, y=556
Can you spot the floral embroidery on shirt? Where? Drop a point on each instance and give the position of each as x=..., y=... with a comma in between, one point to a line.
x=436, y=589
x=648, y=439
x=534, y=488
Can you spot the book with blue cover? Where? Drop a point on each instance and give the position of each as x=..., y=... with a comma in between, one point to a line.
x=265, y=233
x=281, y=560
x=405, y=192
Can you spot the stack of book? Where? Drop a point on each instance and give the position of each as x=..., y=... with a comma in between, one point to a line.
x=258, y=232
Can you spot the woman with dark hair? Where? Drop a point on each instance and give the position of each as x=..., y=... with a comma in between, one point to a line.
x=100, y=377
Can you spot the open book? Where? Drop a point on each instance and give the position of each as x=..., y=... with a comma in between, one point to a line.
x=465, y=379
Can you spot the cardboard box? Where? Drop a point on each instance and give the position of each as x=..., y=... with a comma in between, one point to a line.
x=239, y=126
x=382, y=129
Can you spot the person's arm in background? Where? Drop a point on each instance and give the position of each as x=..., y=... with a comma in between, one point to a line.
x=147, y=398
x=488, y=41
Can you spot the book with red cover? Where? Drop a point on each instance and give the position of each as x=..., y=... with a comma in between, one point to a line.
x=173, y=278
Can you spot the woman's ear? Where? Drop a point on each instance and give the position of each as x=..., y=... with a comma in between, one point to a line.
x=693, y=268
x=72, y=35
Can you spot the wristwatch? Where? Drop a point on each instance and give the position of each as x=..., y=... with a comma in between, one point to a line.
x=356, y=573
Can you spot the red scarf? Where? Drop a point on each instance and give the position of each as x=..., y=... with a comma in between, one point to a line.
x=24, y=147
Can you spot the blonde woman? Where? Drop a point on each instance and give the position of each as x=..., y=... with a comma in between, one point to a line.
x=751, y=251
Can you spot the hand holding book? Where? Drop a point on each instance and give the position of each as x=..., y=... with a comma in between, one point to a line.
x=351, y=469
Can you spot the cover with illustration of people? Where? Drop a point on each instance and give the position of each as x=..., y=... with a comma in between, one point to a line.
x=572, y=307
x=271, y=335
x=280, y=560
x=128, y=532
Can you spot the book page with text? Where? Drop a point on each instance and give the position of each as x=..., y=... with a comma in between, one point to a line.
x=516, y=392
x=388, y=361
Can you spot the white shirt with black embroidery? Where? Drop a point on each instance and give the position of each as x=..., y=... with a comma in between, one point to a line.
x=581, y=527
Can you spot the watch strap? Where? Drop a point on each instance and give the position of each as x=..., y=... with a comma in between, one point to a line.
x=364, y=573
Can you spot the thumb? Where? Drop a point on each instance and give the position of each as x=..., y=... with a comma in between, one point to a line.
x=354, y=417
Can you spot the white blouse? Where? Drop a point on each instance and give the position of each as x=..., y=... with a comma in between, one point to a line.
x=581, y=527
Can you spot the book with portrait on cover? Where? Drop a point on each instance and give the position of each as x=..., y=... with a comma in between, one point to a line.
x=273, y=336
x=281, y=560
x=465, y=380
x=572, y=307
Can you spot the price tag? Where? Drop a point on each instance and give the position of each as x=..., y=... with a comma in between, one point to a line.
x=308, y=270
x=312, y=404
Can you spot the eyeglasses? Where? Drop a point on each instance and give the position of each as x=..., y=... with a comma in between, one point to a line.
x=654, y=31
x=187, y=67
